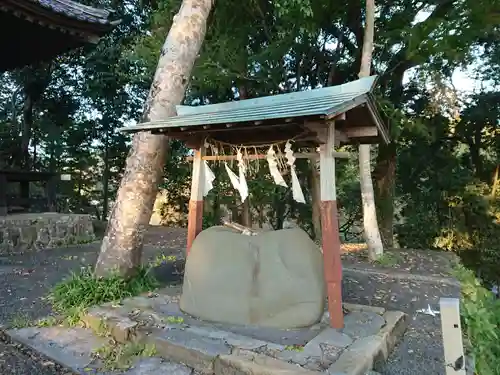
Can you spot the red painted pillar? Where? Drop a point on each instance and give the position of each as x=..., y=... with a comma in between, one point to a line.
x=195, y=216
x=332, y=262
x=330, y=229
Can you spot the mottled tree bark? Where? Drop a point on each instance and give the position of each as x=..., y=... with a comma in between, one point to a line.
x=246, y=207
x=370, y=224
x=316, y=199
x=121, y=248
x=495, y=181
x=384, y=176
x=26, y=133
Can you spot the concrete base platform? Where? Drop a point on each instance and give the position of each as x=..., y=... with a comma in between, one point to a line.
x=366, y=341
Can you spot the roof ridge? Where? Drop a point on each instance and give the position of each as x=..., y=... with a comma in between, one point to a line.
x=72, y=8
x=348, y=88
x=96, y=12
x=284, y=103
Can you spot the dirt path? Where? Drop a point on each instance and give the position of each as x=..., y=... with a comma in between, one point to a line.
x=404, y=280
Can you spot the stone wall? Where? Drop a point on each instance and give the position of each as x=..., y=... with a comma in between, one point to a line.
x=30, y=232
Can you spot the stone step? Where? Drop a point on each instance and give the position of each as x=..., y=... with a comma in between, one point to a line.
x=73, y=348
x=369, y=335
x=183, y=349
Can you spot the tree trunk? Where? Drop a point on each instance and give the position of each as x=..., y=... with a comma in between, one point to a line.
x=384, y=176
x=246, y=214
x=26, y=134
x=121, y=248
x=495, y=181
x=316, y=199
x=105, y=176
x=370, y=224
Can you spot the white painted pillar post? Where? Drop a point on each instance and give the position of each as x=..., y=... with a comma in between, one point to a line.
x=452, y=336
x=195, y=216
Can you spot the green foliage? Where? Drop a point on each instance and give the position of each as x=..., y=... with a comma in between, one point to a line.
x=389, y=259
x=20, y=321
x=480, y=312
x=82, y=290
x=210, y=219
x=117, y=356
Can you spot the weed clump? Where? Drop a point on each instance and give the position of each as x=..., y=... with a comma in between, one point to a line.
x=116, y=356
x=480, y=312
x=73, y=296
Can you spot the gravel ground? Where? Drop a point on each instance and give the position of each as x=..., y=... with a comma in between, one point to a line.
x=18, y=360
x=26, y=280
x=421, y=350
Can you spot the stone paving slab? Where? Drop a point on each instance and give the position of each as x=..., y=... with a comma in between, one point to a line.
x=368, y=337
x=187, y=346
x=73, y=348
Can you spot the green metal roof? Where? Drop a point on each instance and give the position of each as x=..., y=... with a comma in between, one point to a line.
x=327, y=101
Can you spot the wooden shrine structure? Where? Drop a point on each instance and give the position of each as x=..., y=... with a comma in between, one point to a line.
x=21, y=202
x=33, y=31
x=37, y=30
x=319, y=119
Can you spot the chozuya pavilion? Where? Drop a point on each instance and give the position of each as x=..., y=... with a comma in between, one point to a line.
x=307, y=124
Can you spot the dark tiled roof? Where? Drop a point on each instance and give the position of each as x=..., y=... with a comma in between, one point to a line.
x=47, y=28
x=76, y=10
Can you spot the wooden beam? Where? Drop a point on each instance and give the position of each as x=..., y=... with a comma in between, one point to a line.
x=330, y=231
x=195, y=216
x=321, y=131
x=365, y=131
x=188, y=130
x=304, y=155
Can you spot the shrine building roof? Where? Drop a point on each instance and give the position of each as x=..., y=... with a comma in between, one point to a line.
x=36, y=30
x=352, y=105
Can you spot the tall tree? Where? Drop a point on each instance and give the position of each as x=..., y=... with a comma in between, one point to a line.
x=370, y=224
x=121, y=248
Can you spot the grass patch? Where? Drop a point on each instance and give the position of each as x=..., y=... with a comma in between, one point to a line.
x=173, y=319
x=295, y=348
x=388, y=260
x=72, y=297
x=163, y=259
x=21, y=321
x=24, y=321
x=49, y=321
x=480, y=312
x=116, y=356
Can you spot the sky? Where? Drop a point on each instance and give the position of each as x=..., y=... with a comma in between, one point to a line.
x=462, y=81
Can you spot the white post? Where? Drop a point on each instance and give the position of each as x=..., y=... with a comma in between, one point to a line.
x=452, y=336
x=195, y=216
